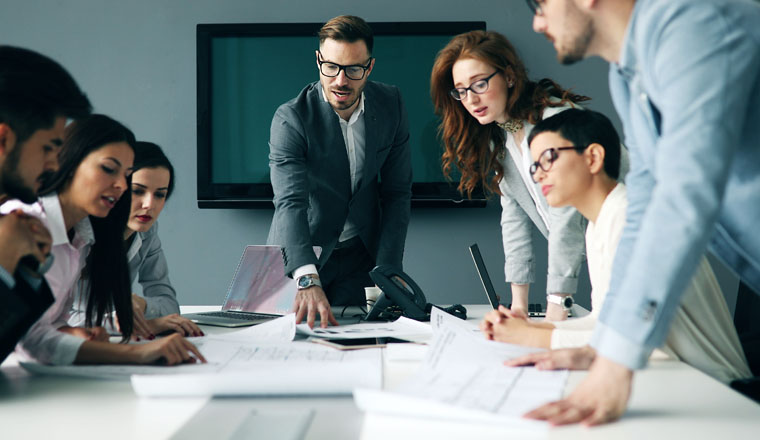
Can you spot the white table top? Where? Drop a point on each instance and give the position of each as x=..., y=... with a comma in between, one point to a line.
x=670, y=401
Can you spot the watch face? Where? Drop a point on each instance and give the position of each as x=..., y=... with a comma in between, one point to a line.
x=304, y=281
x=567, y=302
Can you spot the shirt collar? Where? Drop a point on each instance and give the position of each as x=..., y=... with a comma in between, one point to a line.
x=627, y=64
x=83, y=233
x=135, y=246
x=355, y=115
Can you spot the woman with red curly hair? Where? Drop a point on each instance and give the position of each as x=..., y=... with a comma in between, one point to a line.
x=488, y=106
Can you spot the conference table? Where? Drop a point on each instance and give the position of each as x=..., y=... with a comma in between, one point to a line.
x=670, y=400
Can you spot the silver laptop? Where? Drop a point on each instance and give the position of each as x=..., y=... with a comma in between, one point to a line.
x=259, y=291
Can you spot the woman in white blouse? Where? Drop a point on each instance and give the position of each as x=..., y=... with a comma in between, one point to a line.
x=85, y=205
x=574, y=153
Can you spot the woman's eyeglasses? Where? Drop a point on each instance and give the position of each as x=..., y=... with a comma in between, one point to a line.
x=478, y=87
x=547, y=158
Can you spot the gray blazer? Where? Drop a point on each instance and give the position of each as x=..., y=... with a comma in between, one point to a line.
x=147, y=265
x=312, y=186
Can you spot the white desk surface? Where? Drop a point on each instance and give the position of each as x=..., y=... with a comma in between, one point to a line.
x=670, y=401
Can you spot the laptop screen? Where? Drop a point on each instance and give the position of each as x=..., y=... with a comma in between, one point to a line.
x=259, y=284
x=483, y=274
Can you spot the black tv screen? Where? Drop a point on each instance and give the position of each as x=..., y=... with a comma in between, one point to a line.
x=246, y=71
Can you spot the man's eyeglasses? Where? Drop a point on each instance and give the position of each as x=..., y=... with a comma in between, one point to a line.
x=478, y=87
x=354, y=71
x=547, y=158
x=535, y=6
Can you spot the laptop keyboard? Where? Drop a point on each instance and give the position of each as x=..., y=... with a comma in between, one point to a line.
x=239, y=315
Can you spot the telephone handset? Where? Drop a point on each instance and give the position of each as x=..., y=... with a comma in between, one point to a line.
x=400, y=290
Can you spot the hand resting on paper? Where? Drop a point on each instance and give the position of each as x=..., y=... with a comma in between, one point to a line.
x=170, y=350
x=310, y=301
x=144, y=328
x=602, y=397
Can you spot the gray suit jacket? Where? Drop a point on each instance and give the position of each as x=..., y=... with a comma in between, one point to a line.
x=311, y=181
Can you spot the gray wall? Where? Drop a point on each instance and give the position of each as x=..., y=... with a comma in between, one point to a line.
x=136, y=60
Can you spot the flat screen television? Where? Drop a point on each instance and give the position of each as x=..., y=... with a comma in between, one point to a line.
x=245, y=71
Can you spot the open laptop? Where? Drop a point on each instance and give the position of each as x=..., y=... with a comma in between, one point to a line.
x=534, y=310
x=259, y=291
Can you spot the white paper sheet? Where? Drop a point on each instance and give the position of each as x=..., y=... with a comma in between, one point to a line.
x=260, y=360
x=463, y=378
x=282, y=329
x=296, y=368
x=217, y=349
x=403, y=328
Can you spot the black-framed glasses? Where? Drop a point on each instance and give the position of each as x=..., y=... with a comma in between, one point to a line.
x=547, y=158
x=535, y=6
x=478, y=87
x=354, y=71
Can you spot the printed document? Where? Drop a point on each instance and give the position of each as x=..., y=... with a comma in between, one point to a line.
x=259, y=360
x=463, y=378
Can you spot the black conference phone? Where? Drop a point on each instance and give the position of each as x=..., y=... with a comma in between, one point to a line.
x=403, y=297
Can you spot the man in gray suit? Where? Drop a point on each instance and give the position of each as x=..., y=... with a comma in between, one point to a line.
x=341, y=173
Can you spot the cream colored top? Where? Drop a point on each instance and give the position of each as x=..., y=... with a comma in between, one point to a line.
x=702, y=333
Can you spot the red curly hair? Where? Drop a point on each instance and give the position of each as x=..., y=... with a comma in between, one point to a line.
x=466, y=142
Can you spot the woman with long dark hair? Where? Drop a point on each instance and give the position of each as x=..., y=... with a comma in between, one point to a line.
x=156, y=310
x=85, y=205
x=487, y=104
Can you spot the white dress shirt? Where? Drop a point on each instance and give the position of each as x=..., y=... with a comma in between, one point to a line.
x=44, y=342
x=354, y=137
x=521, y=156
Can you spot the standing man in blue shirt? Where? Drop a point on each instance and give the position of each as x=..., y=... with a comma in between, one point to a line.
x=685, y=80
x=341, y=173
x=36, y=97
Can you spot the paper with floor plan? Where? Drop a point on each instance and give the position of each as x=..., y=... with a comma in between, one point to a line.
x=217, y=349
x=463, y=378
x=259, y=360
x=298, y=368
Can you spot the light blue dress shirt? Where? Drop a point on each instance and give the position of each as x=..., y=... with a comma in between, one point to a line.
x=687, y=88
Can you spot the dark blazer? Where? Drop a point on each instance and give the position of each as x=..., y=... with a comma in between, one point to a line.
x=20, y=307
x=312, y=185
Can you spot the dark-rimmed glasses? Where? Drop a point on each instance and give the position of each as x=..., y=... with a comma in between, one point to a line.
x=478, y=87
x=535, y=6
x=547, y=158
x=331, y=70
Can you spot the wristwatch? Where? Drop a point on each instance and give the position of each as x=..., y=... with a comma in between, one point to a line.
x=308, y=280
x=565, y=301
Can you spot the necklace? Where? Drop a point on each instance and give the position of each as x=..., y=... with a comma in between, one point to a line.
x=511, y=126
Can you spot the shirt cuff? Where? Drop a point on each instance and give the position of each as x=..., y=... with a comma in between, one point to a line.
x=151, y=308
x=66, y=350
x=7, y=278
x=520, y=272
x=305, y=270
x=560, y=284
x=616, y=347
x=34, y=282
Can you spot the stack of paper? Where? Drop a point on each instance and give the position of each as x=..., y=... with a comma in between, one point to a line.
x=402, y=328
